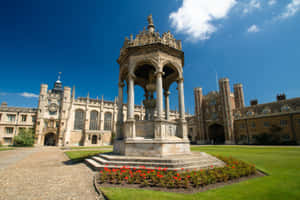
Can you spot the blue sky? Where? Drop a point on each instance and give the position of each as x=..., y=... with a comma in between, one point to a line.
x=253, y=42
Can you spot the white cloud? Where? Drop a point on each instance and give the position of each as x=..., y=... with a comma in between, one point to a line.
x=253, y=29
x=291, y=9
x=29, y=95
x=272, y=2
x=195, y=17
x=252, y=5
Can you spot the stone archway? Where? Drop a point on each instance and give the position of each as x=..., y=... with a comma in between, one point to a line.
x=50, y=139
x=216, y=134
x=94, y=139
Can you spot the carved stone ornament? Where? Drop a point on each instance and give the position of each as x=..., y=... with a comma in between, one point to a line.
x=53, y=107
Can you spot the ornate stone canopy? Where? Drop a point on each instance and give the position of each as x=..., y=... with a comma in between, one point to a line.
x=153, y=62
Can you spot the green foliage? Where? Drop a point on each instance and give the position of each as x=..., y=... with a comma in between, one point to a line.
x=25, y=138
x=162, y=177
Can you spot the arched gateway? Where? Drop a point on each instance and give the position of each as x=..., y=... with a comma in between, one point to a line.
x=216, y=134
x=50, y=139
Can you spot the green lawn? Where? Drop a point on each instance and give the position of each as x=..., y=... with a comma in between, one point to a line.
x=98, y=147
x=281, y=163
x=81, y=155
x=5, y=148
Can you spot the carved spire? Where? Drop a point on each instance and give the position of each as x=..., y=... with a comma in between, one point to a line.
x=73, y=92
x=151, y=26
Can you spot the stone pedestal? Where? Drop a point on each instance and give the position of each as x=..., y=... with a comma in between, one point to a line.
x=151, y=147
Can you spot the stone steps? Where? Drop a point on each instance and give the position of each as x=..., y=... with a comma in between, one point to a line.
x=172, y=159
x=196, y=161
x=150, y=164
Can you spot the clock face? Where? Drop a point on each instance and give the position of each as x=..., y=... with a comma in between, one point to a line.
x=53, y=107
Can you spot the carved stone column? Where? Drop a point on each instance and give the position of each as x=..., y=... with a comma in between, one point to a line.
x=129, y=126
x=159, y=95
x=181, y=98
x=120, y=112
x=130, y=97
x=167, y=104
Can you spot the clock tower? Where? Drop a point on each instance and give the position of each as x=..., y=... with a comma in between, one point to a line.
x=53, y=111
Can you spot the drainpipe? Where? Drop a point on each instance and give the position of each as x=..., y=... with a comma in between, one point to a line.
x=293, y=128
x=247, y=131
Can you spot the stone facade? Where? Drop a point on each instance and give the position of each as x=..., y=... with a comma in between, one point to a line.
x=222, y=118
x=54, y=119
x=13, y=120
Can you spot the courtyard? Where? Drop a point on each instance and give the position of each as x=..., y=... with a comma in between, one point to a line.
x=47, y=173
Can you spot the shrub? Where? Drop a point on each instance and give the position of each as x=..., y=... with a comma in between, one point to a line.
x=25, y=138
x=162, y=177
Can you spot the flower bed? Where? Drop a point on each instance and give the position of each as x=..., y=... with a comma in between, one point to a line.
x=162, y=177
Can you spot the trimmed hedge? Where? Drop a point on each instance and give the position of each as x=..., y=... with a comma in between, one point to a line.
x=162, y=177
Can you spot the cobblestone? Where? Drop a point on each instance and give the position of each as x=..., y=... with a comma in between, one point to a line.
x=43, y=175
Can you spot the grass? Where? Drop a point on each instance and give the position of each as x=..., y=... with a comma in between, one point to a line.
x=281, y=163
x=96, y=147
x=5, y=148
x=78, y=156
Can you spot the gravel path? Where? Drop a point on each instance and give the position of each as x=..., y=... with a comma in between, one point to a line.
x=41, y=174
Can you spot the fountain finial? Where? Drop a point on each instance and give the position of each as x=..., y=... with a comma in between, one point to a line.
x=150, y=27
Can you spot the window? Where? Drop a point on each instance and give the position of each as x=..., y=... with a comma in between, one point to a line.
x=242, y=126
x=298, y=121
x=285, y=108
x=0, y=116
x=23, y=118
x=79, y=120
x=107, y=121
x=266, y=124
x=253, y=125
x=94, y=120
x=9, y=130
x=11, y=118
x=94, y=139
x=46, y=124
x=283, y=123
x=51, y=123
x=33, y=118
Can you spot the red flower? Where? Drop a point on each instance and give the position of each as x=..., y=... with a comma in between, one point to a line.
x=178, y=174
x=233, y=167
x=175, y=177
x=134, y=168
x=101, y=171
x=126, y=177
x=182, y=168
x=211, y=166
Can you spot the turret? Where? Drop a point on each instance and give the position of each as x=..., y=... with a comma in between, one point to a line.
x=239, y=96
x=227, y=110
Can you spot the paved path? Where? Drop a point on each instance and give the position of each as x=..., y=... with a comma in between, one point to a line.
x=40, y=174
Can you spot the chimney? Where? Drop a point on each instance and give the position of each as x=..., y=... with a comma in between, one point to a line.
x=280, y=97
x=253, y=102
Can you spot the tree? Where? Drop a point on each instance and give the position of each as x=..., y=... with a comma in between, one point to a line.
x=25, y=138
